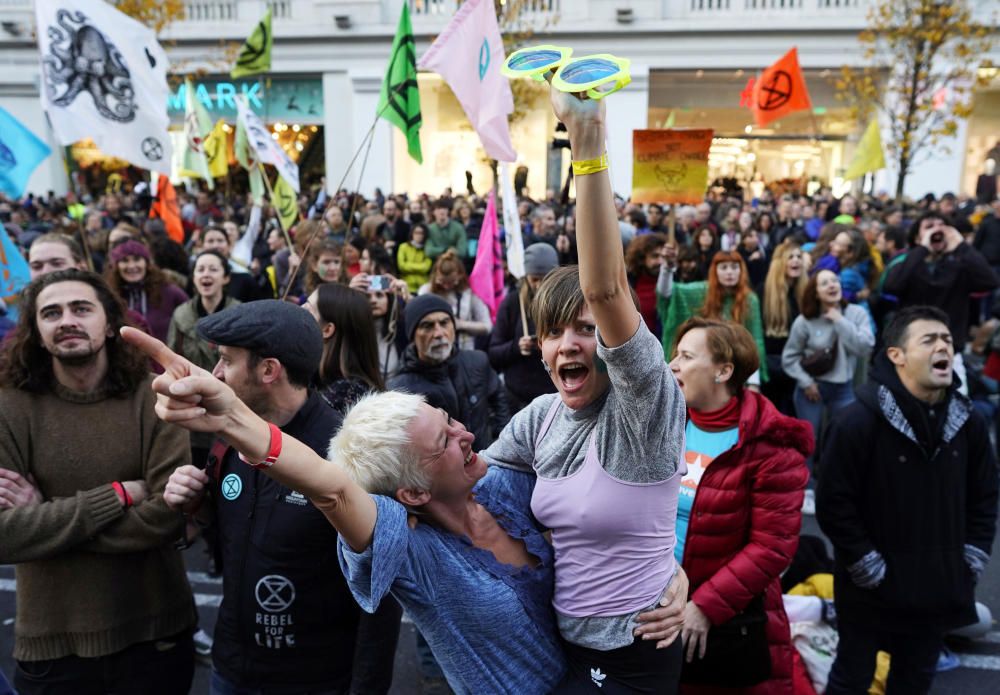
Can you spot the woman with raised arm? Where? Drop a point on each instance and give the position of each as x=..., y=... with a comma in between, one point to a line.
x=607, y=449
x=476, y=574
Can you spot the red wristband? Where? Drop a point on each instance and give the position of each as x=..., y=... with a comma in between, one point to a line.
x=273, y=452
x=122, y=493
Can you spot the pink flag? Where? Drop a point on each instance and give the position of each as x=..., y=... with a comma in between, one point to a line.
x=486, y=278
x=468, y=55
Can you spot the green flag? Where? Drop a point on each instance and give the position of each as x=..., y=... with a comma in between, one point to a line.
x=399, y=102
x=197, y=128
x=247, y=157
x=286, y=203
x=255, y=56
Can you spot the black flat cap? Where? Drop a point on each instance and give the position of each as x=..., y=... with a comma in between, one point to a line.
x=270, y=328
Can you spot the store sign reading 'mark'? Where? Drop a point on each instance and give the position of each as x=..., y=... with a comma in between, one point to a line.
x=274, y=100
x=223, y=97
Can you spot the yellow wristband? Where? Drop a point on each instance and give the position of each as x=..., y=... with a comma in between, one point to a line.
x=590, y=166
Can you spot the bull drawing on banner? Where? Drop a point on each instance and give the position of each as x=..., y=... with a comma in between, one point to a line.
x=671, y=177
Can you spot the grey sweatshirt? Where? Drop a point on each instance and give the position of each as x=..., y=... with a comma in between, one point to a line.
x=854, y=341
x=640, y=438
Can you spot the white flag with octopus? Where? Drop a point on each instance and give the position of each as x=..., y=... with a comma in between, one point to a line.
x=104, y=77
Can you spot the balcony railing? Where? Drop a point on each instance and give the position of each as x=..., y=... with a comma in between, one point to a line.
x=210, y=11
x=232, y=10
x=735, y=8
x=778, y=5
x=446, y=8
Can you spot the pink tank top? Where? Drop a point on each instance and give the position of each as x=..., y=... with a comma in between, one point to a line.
x=613, y=540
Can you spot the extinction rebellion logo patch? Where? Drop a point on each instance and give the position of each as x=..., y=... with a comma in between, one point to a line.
x=232, y=486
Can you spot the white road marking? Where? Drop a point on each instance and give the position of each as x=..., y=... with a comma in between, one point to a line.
x=213, y=600
x=979, y=661
x=203, y=578
x=193, y=577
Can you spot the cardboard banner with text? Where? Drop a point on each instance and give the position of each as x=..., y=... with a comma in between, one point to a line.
x=670, y=166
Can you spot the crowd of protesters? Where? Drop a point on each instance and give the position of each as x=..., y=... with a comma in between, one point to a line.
x=702, y=376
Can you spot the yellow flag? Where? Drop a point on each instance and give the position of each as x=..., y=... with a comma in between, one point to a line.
x=286, y=203
x=868, y=157
x=217, y=150
x=255, y=56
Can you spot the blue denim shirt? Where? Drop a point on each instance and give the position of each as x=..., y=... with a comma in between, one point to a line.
x=490, y=625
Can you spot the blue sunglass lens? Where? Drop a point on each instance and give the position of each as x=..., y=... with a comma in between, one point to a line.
x=535, y=59
x=588, y=70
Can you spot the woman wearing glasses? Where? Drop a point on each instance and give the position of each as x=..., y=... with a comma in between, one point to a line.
x=476, y=574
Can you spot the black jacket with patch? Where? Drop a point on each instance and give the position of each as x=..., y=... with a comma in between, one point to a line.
x=914, y=483
x=464, y=386
x=288, y=623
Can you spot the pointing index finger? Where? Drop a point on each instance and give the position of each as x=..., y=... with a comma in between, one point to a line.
x=152, y=347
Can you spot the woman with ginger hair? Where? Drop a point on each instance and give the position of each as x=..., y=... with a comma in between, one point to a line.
x=781, y=297
x=738, y=516
x=726, y=295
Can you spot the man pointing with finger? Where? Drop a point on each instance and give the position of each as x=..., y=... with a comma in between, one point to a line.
x=287, y=623
x=102, y=599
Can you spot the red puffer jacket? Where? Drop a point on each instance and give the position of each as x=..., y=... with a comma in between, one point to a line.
x=744, y=528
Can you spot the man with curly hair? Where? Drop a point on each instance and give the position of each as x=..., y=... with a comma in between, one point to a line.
x=102, y=598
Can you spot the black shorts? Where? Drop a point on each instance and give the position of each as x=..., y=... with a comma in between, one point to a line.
x=638, y=668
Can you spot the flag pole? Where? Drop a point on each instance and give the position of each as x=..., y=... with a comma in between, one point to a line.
x=64, y=155
x=815, y=124
x=86, y=245
x=365, y=141
x=524, y=316
x=369, y=137
x=270, y=193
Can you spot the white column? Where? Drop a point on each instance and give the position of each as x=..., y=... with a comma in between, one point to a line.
x=942, y=172
x=349, y=106
x=378, y=171
x=628, y=110
x=338, y=125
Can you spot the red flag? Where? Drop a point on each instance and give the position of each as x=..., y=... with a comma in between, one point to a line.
x=486, y=278
x=166, y=208
x=781, y=90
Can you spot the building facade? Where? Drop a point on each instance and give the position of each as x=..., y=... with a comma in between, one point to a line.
x=691, y=60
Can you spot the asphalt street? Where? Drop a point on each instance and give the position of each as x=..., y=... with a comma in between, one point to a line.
x=978, y=673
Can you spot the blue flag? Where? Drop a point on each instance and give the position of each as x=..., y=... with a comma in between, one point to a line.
x=14, y=272
x=20, y=153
